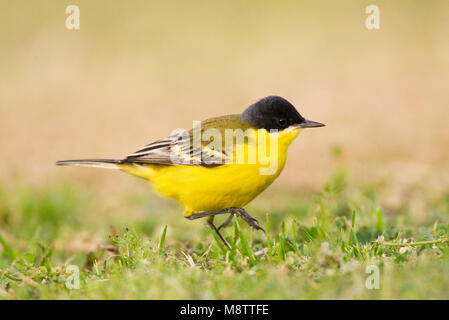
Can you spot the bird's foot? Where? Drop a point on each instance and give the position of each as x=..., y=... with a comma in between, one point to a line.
x=252, y=222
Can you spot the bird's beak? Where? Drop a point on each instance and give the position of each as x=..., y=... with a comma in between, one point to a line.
x=310, y=124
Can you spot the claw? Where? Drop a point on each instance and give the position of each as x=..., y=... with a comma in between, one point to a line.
x=252, y=222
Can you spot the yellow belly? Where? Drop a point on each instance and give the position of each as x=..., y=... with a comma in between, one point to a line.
x=206, y=189
x=200, y=188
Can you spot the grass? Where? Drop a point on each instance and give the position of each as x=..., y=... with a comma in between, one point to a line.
x=317, y=247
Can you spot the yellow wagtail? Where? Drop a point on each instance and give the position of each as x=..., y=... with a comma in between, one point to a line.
x=221, y=164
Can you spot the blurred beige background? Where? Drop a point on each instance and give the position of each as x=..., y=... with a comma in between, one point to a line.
x=138, y=69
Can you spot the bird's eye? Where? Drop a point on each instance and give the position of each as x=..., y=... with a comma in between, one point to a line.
x=282, y=122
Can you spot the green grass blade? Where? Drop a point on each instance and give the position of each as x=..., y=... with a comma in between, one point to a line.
x=281, y=246
x=269, y=245
x=8, y=252
x=162, y=241
x=380, y=221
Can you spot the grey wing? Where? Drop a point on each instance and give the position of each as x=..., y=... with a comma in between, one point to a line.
x=177, y=149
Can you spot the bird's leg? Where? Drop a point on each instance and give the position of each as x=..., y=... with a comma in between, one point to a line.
x=207, y=214
x=238, y=211
x=210, y=218
x=211, y=224
x=226, y=223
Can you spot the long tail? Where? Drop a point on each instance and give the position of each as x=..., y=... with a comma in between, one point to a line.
x=97, y=163
x=141, y=171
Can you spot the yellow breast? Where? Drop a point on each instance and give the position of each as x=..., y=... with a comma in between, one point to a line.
x=233, y=184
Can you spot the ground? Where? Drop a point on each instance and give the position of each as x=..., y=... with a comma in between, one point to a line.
x=331, y=244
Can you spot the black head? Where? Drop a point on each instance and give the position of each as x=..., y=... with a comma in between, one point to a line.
x=274, y=112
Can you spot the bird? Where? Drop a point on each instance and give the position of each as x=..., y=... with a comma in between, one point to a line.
x=209, y=175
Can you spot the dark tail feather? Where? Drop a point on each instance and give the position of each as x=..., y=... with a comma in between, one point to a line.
x=98, y=163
